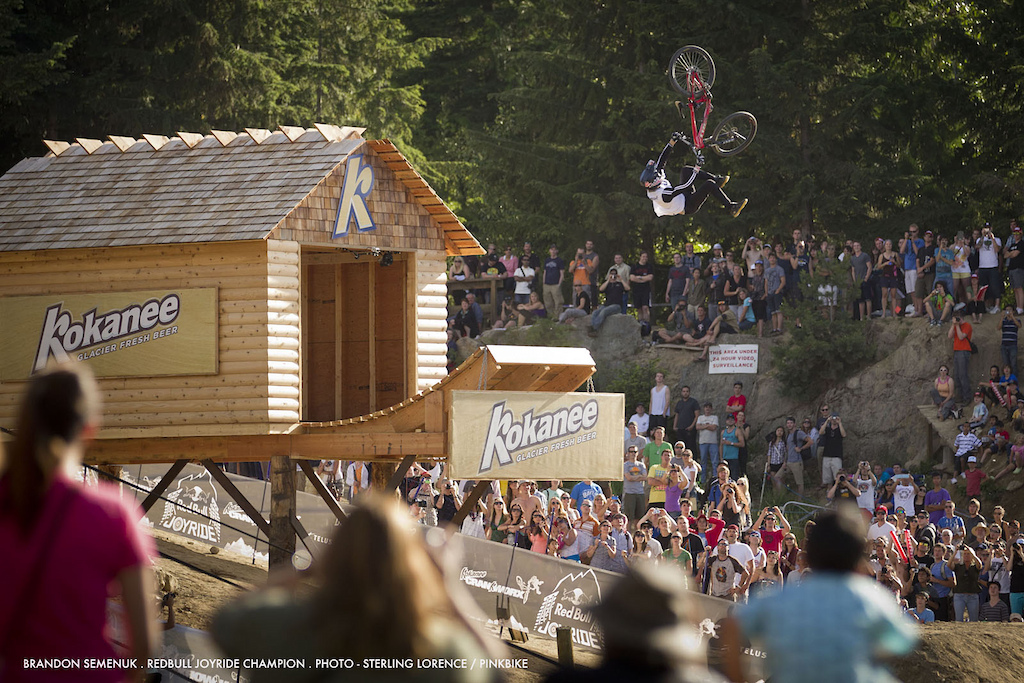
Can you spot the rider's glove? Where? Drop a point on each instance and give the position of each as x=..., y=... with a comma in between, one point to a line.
x=676, y=137
x=700, y=158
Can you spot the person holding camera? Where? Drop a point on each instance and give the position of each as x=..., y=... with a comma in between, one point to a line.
x=830, y=438
x=843, y=489
x=989, y=249
x=966, y=569
x=677, y=326
x=447, y=502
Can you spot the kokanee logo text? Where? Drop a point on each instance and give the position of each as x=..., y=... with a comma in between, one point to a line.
x=60, y=336
x=505, y=435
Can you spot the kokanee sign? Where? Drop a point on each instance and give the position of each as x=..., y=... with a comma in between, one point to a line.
x=119, y=334
x=528, y=435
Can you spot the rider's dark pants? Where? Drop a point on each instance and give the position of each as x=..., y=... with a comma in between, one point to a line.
x=705, y=186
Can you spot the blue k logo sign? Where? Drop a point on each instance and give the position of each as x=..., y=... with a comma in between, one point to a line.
x=352, y=205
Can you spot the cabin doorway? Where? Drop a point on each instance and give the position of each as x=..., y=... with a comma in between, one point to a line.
x=355, y=326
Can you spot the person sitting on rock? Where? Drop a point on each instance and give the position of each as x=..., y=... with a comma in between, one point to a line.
x=699, y=328
x=725, y=323
x=677, y=326
x=582, y=304
x=614, y=289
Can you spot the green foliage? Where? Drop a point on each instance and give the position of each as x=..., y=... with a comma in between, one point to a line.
x=635, y=381
x=829, y=347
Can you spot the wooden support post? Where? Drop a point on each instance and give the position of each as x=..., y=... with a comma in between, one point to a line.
x=563, y=636
x=470, y=502
x=237, y=496
x=399, y=474
x=165, y=481
x=282, y=509
x=930, y=442
x=321, y=489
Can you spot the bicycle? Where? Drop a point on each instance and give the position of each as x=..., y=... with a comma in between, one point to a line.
x=692, y=73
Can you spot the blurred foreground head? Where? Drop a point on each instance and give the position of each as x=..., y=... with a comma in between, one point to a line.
x=646, y=619
x=837, y=544
x=380, y=589
x=60, y=408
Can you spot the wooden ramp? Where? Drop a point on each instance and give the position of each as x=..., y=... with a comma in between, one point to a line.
x=416, y=426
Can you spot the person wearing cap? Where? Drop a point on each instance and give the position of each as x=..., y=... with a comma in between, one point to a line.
x=678, y=280
x=881, y=528
x=979, y=412
x=974, y=476
x=725, y=323
x=494, y=269
x=554, y=273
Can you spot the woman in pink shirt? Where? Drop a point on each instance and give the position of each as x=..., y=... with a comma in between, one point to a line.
x=65, y=547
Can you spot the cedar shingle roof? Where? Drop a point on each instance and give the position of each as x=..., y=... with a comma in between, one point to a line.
x=191, y=188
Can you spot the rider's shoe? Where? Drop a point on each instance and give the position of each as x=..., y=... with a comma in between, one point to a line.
x=736, y=207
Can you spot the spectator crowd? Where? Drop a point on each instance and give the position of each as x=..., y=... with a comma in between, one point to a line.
x=726, y=291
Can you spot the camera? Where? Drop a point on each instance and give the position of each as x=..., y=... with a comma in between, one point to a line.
x=842, y=477
x=421, y=503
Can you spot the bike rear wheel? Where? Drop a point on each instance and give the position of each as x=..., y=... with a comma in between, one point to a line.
x=691, y=70
x=733, y=134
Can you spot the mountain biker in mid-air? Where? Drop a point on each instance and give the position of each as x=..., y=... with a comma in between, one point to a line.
x=689, y=196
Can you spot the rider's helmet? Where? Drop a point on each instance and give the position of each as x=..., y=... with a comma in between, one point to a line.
x=652, y=176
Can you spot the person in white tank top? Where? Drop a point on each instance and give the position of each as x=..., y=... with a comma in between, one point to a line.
x=660, y=402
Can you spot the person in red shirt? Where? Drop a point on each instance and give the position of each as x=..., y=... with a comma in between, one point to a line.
x=771, y=535
x=737, y=401
x=960, y=333
x=974, y=476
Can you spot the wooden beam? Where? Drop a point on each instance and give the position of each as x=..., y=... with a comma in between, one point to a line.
x=470, y=502
x=282, y=511
x=165, y=481
x=324, y=492
x=399, y=474
x=374, y=317
x=237, y=496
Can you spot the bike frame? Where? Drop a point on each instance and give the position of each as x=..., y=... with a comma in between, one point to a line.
x=696, y=85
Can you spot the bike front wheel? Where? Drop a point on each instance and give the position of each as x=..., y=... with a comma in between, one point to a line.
x=691, y=70
x=733, y=134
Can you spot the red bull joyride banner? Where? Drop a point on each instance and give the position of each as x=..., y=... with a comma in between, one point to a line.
x=535, y=435
x=537, y=594
x=118, y=334
x=196, y=507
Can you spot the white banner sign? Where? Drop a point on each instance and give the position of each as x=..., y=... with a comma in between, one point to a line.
x=533, y=435
x=733, y=359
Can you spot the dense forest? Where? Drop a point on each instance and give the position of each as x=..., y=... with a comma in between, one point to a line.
x=534, y=119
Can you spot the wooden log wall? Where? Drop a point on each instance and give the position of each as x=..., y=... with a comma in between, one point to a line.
x=256, y=389
x=428, y=278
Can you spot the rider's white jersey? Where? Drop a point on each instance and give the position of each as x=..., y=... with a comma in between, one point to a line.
x=664, y=207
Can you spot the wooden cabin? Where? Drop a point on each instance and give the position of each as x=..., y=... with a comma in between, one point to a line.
x=225, y=285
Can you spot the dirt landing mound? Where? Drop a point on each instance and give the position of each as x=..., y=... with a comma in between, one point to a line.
x=964, y=653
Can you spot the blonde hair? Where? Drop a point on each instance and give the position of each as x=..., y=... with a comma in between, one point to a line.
x=380, y=590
